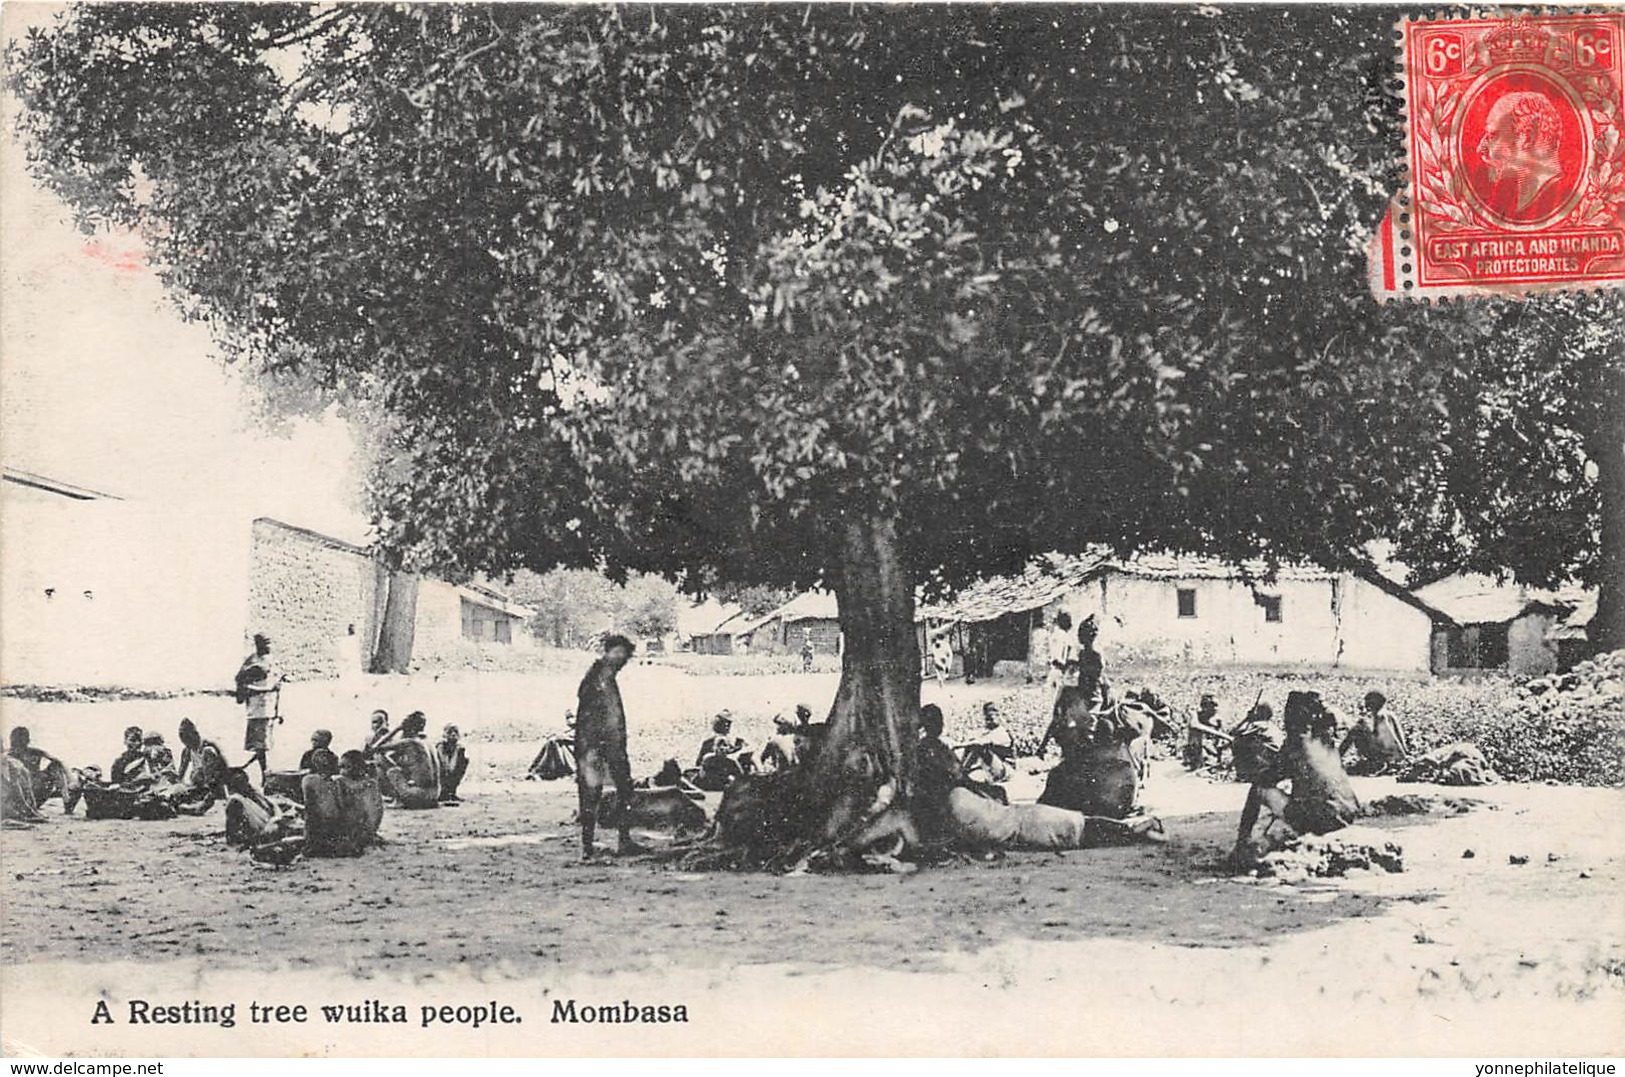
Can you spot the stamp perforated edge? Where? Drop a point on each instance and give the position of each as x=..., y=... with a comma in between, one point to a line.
x=1389, y=248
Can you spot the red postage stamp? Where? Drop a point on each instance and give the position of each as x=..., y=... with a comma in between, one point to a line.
x=1516, y=180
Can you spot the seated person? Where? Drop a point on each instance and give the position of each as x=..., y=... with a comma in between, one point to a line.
x=18, y=808
x=809, y=735
x=1255, y=744
x=130, y=767
x=1320, y=799
x=937, y=767
x=410, y=768
x=937, y=771
x=987, y=756
x=1101, y=757
x=1205, y=737
x=719, y=761
x=252, y=817
x=202, y=773
x=343, y=812
x=160, y=760
x=557, y=759
x=379, y=733
x=779, y=753
x=453, y=763
x=1377, y=739
x=319, y=758
x=47, y=775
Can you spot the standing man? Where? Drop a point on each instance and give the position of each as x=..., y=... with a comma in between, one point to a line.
x=942, y=658
x=259, y=689
x=601, y=746
x=1060, y=657
x=1090, y=666
x=806, y=650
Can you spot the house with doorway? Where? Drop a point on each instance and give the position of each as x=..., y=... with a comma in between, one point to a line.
x=813, y=615
x=1496, y=625
x=1192, y=611
x=704, y=628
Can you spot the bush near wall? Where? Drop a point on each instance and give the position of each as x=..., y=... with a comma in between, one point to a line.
x=1572, y=737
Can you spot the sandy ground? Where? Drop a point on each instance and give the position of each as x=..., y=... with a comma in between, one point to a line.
x=1138, y=950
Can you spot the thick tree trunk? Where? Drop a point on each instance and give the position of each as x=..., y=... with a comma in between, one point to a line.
x=1607, y=629
x=873, y=721
x=396, y=631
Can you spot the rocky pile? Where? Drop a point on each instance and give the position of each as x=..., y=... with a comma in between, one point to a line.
x=1565, y=726
x=1324, y=856
x=1595, y=683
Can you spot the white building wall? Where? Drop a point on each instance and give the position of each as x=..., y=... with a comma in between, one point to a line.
x=1381, y=632
x=1340, y=622
x=140, y=597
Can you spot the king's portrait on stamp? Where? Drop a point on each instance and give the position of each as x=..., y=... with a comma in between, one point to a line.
x=1516, y=166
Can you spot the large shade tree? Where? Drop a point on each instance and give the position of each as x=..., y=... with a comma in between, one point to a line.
x=1527, y=476
x=870, y=298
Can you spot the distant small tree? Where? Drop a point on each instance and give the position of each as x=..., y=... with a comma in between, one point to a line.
x=648, y=607
x=575, y=606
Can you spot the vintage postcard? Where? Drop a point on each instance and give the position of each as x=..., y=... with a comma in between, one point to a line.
x=541, y=530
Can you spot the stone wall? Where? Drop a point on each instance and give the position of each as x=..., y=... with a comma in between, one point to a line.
x=304, y=591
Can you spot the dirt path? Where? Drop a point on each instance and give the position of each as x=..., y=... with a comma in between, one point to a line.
x=489, y=893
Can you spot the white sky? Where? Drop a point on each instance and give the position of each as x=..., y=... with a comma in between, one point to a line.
x=103, y=385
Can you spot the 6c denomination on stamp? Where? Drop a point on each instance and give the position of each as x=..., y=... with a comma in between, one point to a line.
x=1516, y=178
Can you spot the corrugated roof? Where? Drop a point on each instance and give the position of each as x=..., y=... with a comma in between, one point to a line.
x=1183, y=567
x=1470, y=599
x=484, y=595
x=55, y=486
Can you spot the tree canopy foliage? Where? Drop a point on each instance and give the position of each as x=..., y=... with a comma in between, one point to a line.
x=686, y=290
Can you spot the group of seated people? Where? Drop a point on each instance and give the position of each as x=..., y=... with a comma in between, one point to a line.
x=1374, y=744
x=412, y=772
x=722, y=758
x=337, y=810
x=956, y=804
x=144, y=781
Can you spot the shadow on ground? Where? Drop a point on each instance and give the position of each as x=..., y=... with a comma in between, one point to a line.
x=494, y=885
